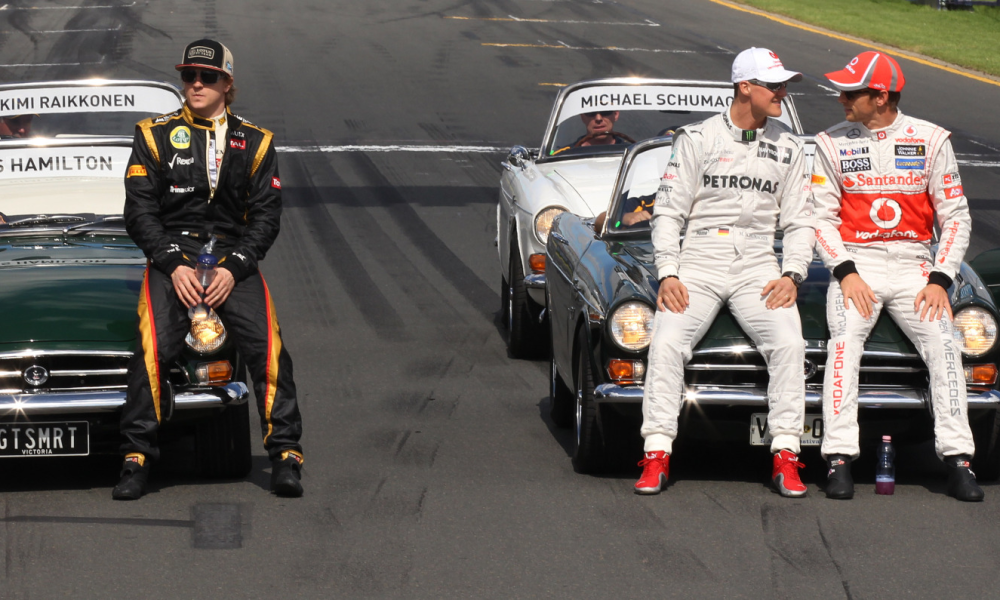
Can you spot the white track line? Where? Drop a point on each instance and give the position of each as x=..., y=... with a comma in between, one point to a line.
x=564, y=46
x=470, y=150
x=513, y=19
x=72, y=64
x=9, y=7
x=62, y=30
x=393, y=148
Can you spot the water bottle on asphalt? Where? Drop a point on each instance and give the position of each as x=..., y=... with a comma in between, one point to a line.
x=885, y=472
x=205, y=271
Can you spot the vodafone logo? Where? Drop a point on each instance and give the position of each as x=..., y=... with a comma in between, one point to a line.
x=886, y=213
x=910, y=130
x=854, y=61
x=773, y=55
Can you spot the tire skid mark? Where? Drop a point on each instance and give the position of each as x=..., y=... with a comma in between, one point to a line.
x=432, y=304
x=451, y=266
x=829, y=551
x=340, y=256
x=800, y=555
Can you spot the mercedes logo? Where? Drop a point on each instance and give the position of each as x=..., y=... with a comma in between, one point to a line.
x=36, y=375
x=810, y=369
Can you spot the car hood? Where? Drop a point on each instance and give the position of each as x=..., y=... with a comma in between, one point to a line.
x=68, y=294
x=592, y=180
x=637, y=257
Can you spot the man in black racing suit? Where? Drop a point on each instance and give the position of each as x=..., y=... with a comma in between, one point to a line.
x=199, y=172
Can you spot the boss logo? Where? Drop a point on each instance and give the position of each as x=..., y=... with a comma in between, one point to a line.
x=855, y=164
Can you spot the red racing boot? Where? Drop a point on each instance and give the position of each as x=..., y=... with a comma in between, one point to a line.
x=785, y=475
x=655, y=469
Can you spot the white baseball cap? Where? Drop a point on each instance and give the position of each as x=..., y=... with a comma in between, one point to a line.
x=763, y=65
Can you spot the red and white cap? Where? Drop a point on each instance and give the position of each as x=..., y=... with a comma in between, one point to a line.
x=763, y=65
x=869, y=69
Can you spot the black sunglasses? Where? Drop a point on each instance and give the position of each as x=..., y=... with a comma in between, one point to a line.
x=774, y=87
x=855, y=94
x=606, y=113
x=208, y=77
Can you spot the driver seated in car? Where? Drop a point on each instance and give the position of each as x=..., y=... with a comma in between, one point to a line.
x=600, y=131
x=15, y=126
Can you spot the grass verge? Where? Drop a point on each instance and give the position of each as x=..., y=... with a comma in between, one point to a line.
x=969, y=39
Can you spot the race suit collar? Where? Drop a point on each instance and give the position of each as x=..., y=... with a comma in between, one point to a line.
x=200, y=123
x=889, y=129
x=742, y=135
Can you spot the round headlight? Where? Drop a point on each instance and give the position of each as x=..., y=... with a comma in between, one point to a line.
x=543, y=221
x=632, y=325
x=206, y=335
x=975, y=330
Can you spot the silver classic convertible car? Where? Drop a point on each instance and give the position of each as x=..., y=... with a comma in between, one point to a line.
x=574, y=170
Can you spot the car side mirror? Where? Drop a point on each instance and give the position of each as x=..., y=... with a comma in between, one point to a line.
x=517, y=157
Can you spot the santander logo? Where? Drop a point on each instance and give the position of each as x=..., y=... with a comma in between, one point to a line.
x=848, y=182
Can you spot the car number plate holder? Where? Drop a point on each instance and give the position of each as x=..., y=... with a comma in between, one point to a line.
x=61, y=438
x=760, y=435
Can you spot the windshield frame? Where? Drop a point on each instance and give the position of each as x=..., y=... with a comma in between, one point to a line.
x=788, y=108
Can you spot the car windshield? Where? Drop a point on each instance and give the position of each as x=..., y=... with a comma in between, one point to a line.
x=606, y=117
x=634, y=205
x=81, y=108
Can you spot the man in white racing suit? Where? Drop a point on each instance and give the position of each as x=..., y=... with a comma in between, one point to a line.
x=880, y=179
x=733, y=178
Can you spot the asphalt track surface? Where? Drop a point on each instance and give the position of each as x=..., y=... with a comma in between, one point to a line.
x=432, y=470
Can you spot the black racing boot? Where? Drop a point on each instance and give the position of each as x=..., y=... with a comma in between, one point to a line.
x=961, y=480
x=839, y=484
x=286, y=475
x=134, y=475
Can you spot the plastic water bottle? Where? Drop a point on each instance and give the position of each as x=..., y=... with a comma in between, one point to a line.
x=205, y=271
x=885, y=472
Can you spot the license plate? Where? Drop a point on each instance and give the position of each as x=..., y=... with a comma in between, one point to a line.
x=45, y=439
x=760, y=435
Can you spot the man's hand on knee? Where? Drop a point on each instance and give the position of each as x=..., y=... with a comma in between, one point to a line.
x=220, y=288
x=780, y=293
x=673, y=295
x=935, y=302
x=186, y=285
x=857, y=291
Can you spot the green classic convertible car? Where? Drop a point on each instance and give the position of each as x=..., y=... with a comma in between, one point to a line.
x=69, y=287
x=601, y=290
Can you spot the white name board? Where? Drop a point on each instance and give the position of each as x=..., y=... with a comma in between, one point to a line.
x=89, y=161
x=107, y=98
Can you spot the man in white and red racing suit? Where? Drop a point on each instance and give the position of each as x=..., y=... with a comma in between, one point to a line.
x=733, y=179
x=880, y=180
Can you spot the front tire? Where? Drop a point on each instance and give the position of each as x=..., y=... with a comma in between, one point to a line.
x=222, y=443
x=986, y=432
x=561, y=399
x=588, y=447
x=524, y=333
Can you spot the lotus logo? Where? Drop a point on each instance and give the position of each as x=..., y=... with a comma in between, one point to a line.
x=809, y=369
x=36, y=375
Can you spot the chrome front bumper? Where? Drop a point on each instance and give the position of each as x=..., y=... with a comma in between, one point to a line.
x=884, y=398
x=535, y=281
x=106, y=402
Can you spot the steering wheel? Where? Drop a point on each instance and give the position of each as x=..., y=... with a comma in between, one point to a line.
x=591, y=136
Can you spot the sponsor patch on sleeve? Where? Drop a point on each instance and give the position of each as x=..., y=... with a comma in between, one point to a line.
x=136, y=171
x=953, y=192
x=951, y=179
x=819, y=180
x=276, y=183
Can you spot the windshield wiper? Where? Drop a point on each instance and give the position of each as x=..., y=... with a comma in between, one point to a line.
x=46, y=220
x=116, y=222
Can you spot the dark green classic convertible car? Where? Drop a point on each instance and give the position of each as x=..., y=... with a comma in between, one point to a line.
x=69, y=287
x=601, y=290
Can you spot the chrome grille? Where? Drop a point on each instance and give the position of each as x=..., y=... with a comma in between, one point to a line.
x=56, y=371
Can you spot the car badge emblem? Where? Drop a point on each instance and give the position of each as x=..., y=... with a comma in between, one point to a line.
x=36, y=375
x=810, y=369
